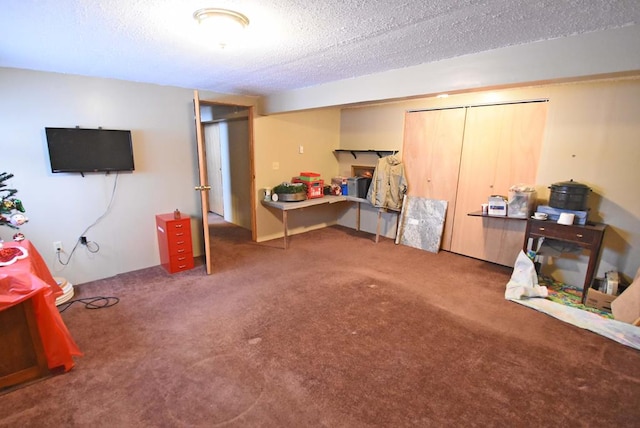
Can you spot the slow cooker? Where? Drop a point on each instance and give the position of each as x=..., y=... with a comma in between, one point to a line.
x=569, y=195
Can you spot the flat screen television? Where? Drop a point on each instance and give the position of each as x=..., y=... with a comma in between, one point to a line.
x=89, y=150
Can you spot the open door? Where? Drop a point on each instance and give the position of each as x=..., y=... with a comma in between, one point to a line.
x=203, y=186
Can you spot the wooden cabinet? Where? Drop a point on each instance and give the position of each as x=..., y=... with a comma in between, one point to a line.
x=174, y=242
x=464, y=155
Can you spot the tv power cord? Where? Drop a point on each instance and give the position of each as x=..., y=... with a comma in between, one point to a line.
x=91, y=246
x=98, y=302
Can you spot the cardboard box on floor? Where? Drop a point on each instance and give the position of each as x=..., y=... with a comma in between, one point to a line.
x=599, y=300
x=626, y=307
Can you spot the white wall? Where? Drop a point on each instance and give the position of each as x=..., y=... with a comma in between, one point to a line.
x=596, y=121
x=61, y=206
x=276, y=146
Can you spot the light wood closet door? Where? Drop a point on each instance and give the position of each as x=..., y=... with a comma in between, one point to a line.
x=501, y=148
x=431, y=155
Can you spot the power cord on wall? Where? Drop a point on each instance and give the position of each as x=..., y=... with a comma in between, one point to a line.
x=91, y=246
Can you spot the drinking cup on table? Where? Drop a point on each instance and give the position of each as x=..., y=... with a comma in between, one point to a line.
x=540, y=216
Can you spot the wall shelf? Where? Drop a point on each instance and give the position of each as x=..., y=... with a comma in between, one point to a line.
x=378, y=152
x=502, y=217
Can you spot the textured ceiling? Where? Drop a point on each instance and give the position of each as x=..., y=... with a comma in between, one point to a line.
x=289, y=43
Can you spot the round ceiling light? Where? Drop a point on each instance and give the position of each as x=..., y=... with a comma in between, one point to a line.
x=223, y=25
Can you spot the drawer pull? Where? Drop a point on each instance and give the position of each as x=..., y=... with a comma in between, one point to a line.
x=181, y=258
x=179, y=242
x=180, y=234
x=178, y=226
x=541, y=228
x=579, y=235
x=182, y=266
x=181, y=250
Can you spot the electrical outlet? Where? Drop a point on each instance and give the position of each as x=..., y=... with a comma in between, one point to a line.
x=57, y=246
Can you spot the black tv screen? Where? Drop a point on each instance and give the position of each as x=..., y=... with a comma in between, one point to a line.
x=89, y=150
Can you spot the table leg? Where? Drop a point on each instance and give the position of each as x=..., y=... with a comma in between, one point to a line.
x=591, y=268
x=378, y=225
x=358, y=217
x=594, y=256
x=286, y=230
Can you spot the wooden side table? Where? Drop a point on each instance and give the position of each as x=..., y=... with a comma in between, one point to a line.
x=21, y=351
x=588, y=237
x=33, y=336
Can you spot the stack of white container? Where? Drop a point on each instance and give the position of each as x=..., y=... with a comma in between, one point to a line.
x=67, y=290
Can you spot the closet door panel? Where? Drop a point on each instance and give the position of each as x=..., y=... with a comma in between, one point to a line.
x=520, y=143
x=501, y=147
x=431, y=155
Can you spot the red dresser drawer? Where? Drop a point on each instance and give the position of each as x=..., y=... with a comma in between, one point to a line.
x=577, y=234
x=181, y=262
x=179, y=243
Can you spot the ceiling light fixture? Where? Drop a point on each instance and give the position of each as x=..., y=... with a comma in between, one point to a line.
x=222, y=25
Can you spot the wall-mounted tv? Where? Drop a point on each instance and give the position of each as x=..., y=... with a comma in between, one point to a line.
x=89, y=150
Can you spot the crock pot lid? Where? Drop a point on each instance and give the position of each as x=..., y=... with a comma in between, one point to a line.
x=571, y=183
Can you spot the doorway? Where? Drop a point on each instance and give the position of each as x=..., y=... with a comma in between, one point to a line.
x=225, y=153
x=228, y=166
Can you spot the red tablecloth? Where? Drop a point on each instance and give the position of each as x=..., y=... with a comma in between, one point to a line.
x=29, y=278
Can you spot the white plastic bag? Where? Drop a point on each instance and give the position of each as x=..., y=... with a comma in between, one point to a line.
x=524, y=280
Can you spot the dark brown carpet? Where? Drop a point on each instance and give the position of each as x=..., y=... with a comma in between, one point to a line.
x=336, y=331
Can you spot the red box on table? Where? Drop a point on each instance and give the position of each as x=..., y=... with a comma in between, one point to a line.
x=314, y=187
